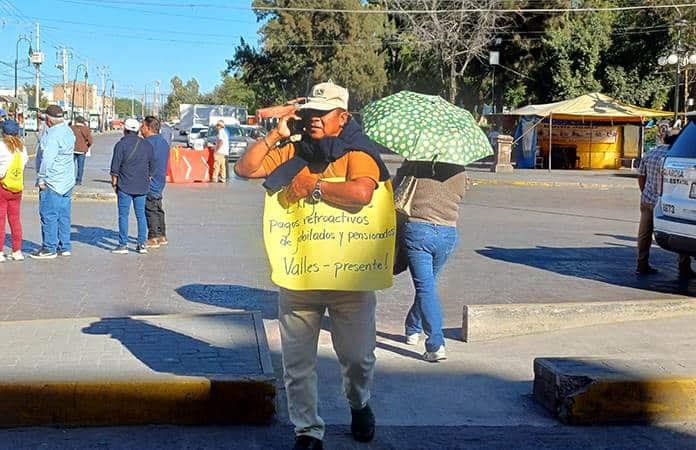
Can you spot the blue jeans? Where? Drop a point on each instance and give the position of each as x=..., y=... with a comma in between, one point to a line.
x=79, y=166
x=427, y=248
x=54, y=211
x=124, y=204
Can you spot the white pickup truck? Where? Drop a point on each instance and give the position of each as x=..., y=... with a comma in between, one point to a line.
x=675, y=211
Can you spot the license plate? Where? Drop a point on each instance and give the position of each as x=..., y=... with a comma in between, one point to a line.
x=692, y=191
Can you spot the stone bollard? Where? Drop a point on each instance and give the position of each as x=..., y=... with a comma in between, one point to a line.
x=502, y=155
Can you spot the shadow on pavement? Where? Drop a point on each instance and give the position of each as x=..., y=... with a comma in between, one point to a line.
x=253, y=299
x=168, y=351
x=618, y=237
x=27, y=246
x=613, y=265
x=103, y=238
x=233, y=296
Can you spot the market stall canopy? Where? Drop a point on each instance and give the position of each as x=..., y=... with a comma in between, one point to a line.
x=594, y=107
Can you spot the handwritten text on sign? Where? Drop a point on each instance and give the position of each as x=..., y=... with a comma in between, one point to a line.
x=318, y=246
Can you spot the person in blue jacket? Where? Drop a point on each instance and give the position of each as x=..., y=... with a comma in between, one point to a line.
x=156, y=227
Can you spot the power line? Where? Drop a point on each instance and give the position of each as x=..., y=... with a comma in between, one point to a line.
x=155, y=13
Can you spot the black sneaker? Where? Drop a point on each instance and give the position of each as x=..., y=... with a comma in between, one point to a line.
x=687, y=274
x=362, y=425
x=307, y=442
x=121, y=250
x=43, y=253
x=141, y=249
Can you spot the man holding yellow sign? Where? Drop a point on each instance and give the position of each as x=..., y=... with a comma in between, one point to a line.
x=329, y=230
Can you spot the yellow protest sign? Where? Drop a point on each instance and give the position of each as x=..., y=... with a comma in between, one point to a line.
x=320, y=246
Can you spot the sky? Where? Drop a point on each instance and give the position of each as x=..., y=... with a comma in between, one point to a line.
x=140, y=41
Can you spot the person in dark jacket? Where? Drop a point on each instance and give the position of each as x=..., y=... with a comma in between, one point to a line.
x=83, y=141
x=156, y=228
x=132, y=165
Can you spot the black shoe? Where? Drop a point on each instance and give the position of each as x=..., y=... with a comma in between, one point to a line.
x=646, y=270
x=307, y=442
x=43, y=253
x=362, y=425
x=687, y=274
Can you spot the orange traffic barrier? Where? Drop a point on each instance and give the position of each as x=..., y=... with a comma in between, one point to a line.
x=188, y=166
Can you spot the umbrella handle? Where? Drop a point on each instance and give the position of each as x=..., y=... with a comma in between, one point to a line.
x=432, y=166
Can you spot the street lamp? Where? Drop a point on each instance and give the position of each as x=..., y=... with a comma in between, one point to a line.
x=21, y=38
x=72, y=102
x=679, y=58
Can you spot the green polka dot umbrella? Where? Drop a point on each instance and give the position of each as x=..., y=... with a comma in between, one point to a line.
x=423, y=127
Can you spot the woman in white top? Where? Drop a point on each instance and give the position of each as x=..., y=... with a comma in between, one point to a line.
x=9, y=200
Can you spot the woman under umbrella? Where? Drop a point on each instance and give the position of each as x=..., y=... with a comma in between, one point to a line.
x=427, y=237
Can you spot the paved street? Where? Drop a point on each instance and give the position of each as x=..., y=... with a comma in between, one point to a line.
x=517, y=245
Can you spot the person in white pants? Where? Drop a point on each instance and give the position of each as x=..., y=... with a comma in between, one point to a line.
x=352, y=313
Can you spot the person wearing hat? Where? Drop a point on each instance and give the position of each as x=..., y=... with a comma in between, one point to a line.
x=55, y=179
x=332, y=145
x=132, y=166
x=13, y=156
x=83, y=141
x=222, y=151
x=650, y=183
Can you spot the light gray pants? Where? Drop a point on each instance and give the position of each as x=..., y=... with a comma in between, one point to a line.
x=353, y=334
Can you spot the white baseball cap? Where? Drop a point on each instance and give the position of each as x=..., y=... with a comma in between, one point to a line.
x=131, y=125
x=327, y=96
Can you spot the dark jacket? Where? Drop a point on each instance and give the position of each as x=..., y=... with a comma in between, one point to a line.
x=83, y=138
x=133, y=166
x=159, y=175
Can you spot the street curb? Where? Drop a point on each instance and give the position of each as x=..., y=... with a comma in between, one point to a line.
x=593, y=391
x=84, y=396
x=78, y=196
x=490, y=322
x=548, y=184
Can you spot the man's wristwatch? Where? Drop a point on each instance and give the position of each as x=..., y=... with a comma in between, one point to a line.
x=316, y=193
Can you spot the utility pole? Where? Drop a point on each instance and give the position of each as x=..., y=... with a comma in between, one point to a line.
x=63, y=57
x=132, y=101
x=85, y=111
x=113, y=103
x=155, y=103
x=37, y=59
x=102, y=72
x=144, y=109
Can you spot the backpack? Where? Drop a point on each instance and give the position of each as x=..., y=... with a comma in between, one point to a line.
x=14, y=178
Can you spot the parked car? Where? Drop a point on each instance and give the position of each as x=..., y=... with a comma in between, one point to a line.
x=197, y=132
x=675, y=211
x=254, y=131
x=239, y=140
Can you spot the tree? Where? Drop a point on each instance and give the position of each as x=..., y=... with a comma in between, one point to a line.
x=122, y=106
x=307, y=47
x=649, y=33
x=182, y=93
x=233, y=91
x=454, y=33
x=573, y=47
x=30, y=90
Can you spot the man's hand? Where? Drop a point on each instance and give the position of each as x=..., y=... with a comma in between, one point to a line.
x=283, y=128
x=42, y=186
x=301, y=187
